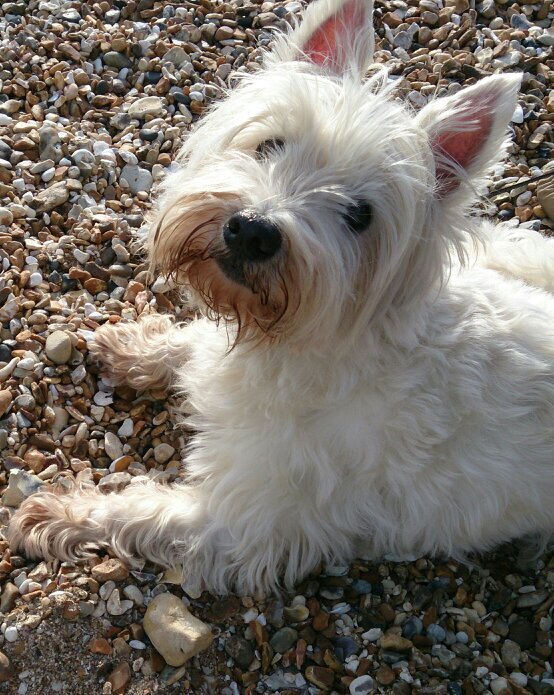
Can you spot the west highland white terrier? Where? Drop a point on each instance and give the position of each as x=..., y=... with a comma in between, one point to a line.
x=374, y=369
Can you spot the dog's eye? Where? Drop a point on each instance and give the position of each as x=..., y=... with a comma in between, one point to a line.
x=267, y=147
x=358, y=217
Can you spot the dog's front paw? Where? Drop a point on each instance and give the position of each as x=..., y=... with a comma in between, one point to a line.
x=44, y=527
x=113, y=347
x=134, y=354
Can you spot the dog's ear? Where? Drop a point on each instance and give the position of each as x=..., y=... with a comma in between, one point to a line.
x=467, y=132
x=337, y=35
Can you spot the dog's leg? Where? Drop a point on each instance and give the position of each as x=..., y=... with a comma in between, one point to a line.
x=146, y=520
x=249, y=549
x=142, y=354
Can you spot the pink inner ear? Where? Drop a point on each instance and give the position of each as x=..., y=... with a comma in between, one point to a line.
x=462, y=148
x=327, y=41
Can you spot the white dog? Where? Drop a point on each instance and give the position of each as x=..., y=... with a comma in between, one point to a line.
x=375, y=367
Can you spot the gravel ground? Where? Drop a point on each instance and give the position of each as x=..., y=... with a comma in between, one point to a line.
x=94, y=100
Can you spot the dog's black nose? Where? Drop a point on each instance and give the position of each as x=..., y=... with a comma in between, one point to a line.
x=252, y=237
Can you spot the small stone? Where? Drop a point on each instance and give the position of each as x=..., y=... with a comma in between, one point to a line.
x=137, y=644
x=81, y=256
x=117, y=60
x=6, y=217
x=532, y=599
x=134, y=594
x=174, y=632
x=138, y=179
x=332, y=593
x=11, y=634
x=83, y=158
x=363, y=685
x=283, y=640
x=424, y=35
x=50, y=145
x=5, y=401
x=395, y=642
x=147, y=106
x=518, y=678
x=116, y=606
x=99, y=646
x=20, y=486
x=114, y=482
x=523, y=198
x=296, y=614
x=360, y=586
x=119, y=678
x=436, y=632
x=9, y=595
x=546, y=39
x=163, y=452
x=321, y=621
x=224, y=33
x=373, y=634
x=240, y=650
x=111, y=569
x=430, y=18
x=6, y=671
x=413, y=626
x=35, y=460
x=58, y=347
x=112, y=16
x=345, y=647
x=52, y=197
x=385, y=675
x=403, y=40
x=126, y=428
x=511, y=654
x=320, y=676
x=177, y=56
x=545, y=195
x=500, y=686
x=113, y=446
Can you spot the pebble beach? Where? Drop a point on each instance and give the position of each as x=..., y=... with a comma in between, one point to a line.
x=95, y=99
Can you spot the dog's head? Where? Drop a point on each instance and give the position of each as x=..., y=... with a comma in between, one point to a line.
x=310, y=203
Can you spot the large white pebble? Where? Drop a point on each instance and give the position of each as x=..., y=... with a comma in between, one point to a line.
x=174, y=632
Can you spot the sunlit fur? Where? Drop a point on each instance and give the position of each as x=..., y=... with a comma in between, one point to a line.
x=388, y=391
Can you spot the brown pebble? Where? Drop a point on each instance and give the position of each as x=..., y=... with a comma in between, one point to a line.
x=430, y=616
x=320, y=676
x=120, y=677
x=94, y=285
x=396, y=642
x=110, y=569
x=6, y=671
x=387, y=612
x=384, y=675
x=260, y=632
x=121, y=647
x=99, y=646
x=9, y=595
x=71, y=611
x=321, y=621
x=332, y=662
x=35, y=460
x=266, y=656
x=5, y=401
